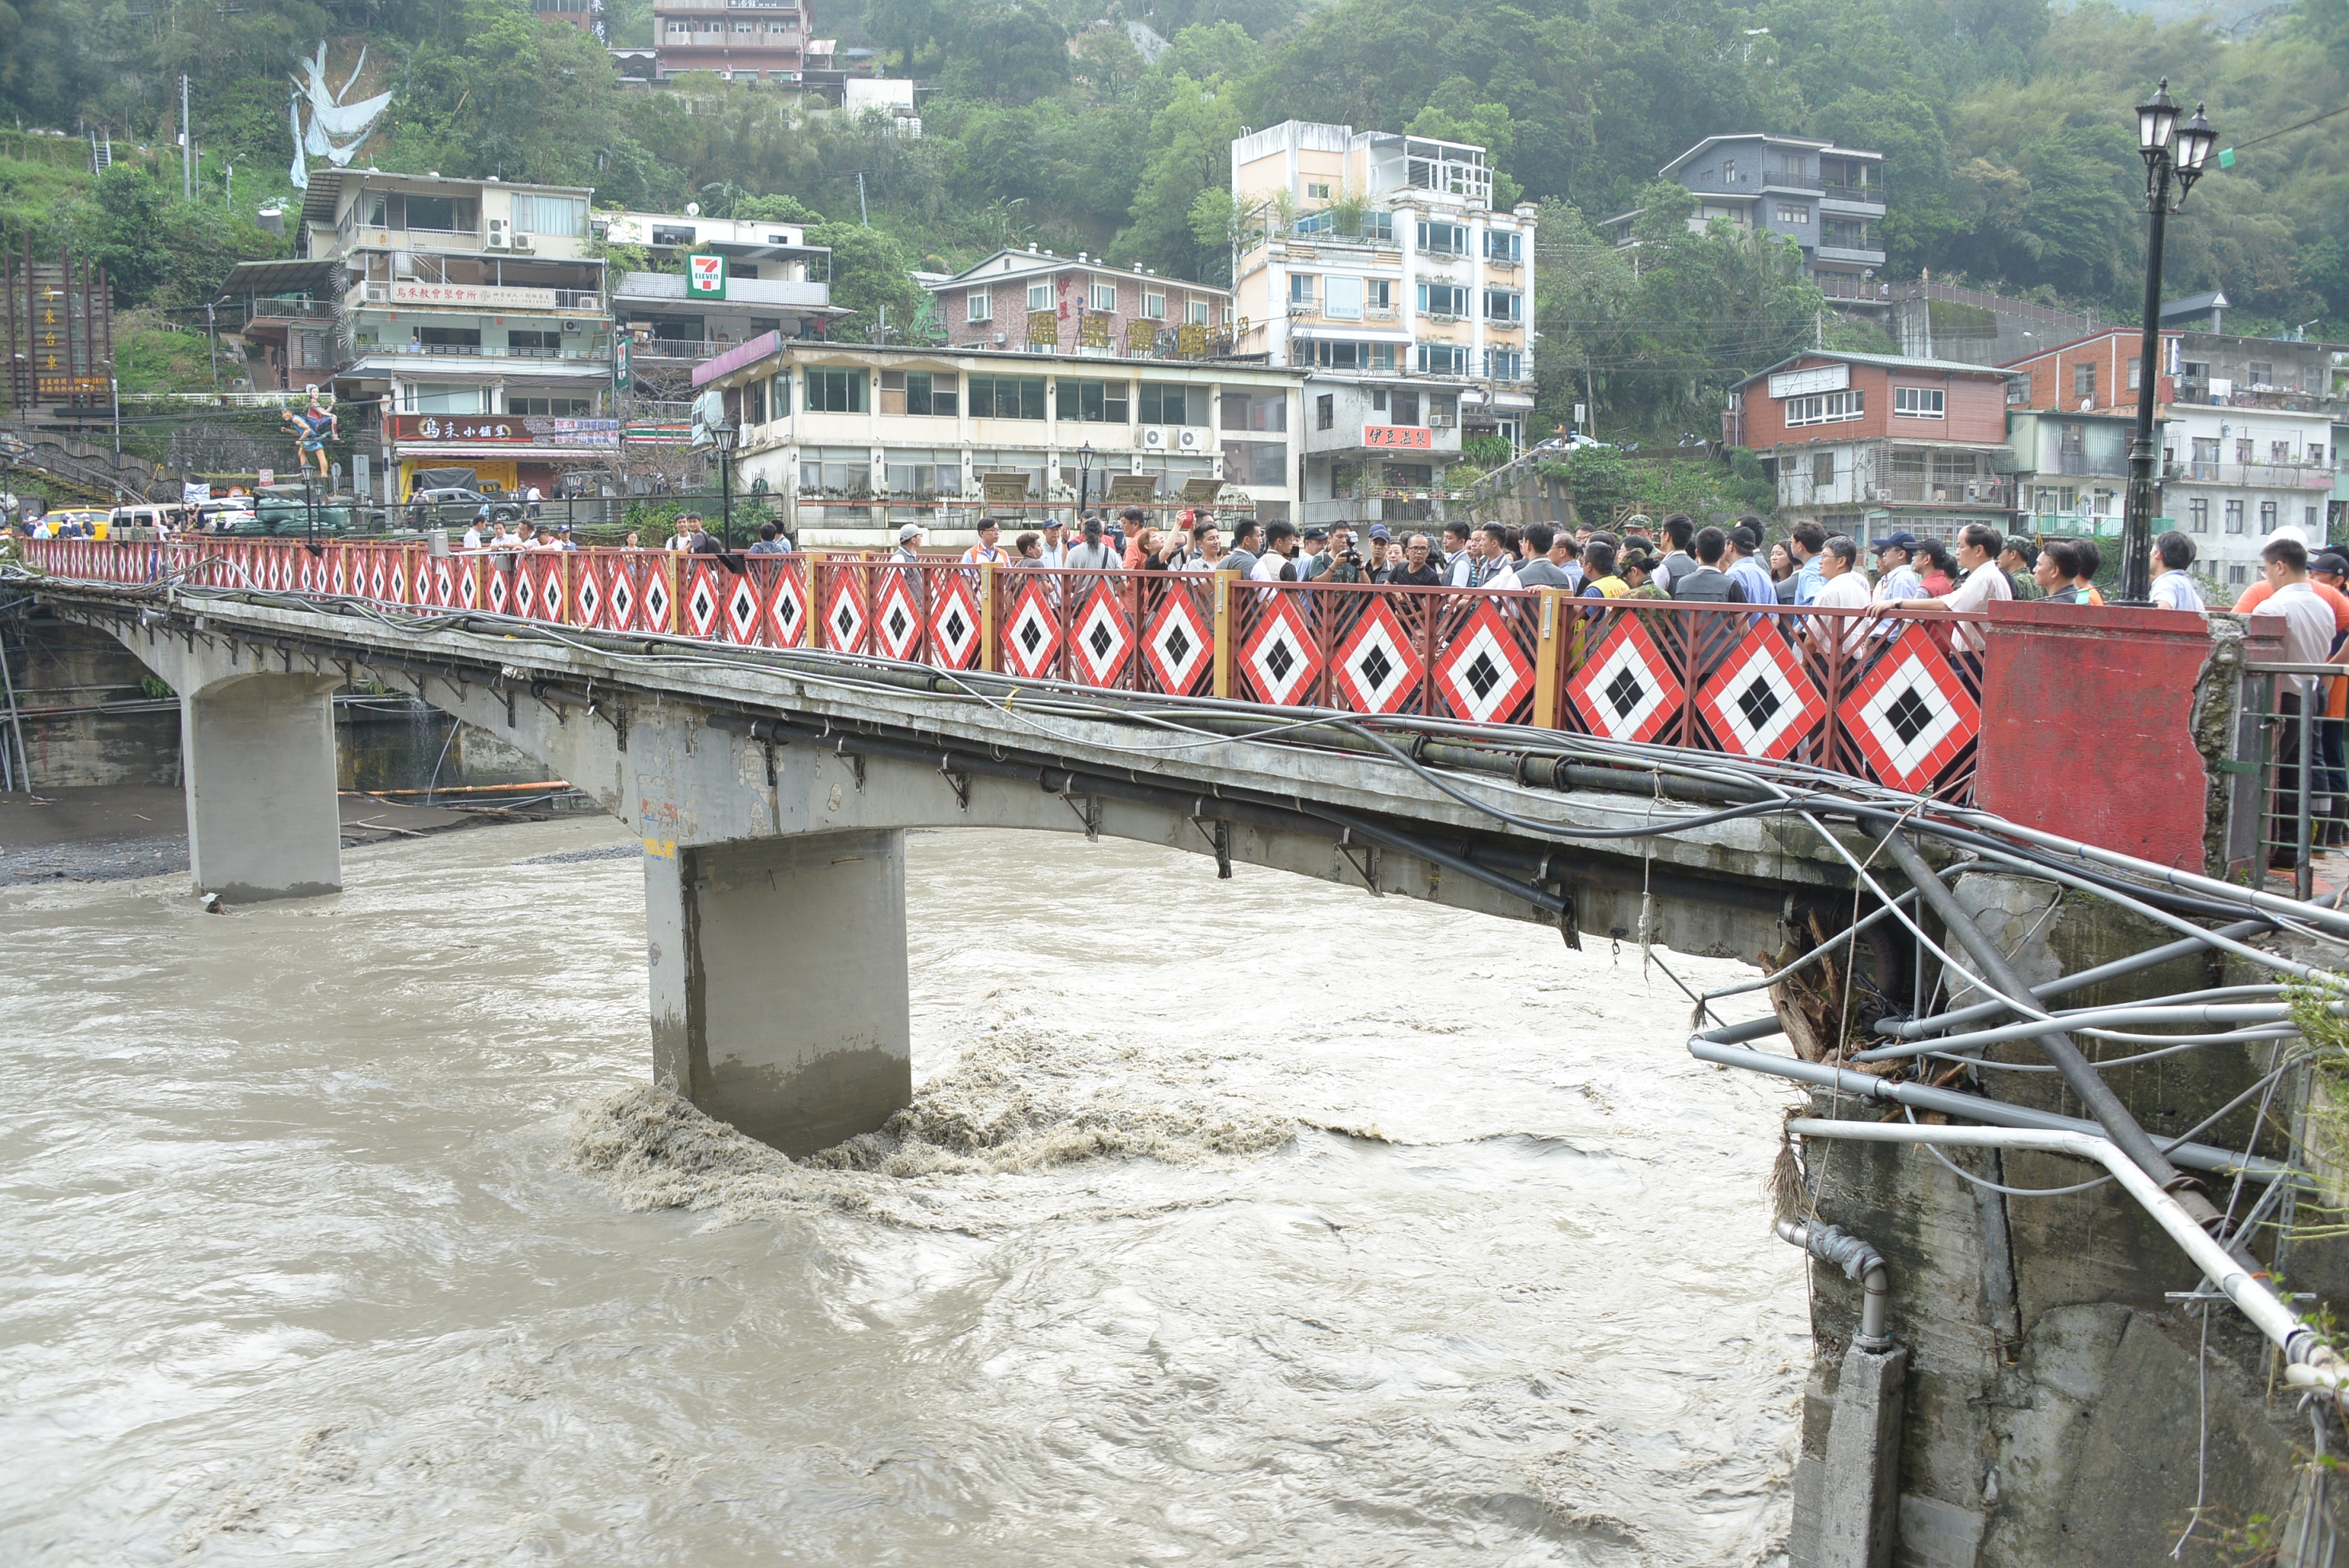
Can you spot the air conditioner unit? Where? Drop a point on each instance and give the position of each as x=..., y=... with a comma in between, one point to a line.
x=521, y=242
x=1153, y=437
x=1190, y=438
x=1441, y=421
x=498, y=240
x=1002, y=338
x=571, y=326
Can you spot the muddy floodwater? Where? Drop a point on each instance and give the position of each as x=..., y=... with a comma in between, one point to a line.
x=1245, y=1222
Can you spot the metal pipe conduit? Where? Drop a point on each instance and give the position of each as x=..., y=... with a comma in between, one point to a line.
x=2081, y=1079
x=1838, y=1248
x=2305, y=1353
x=2064, y=985
x=1716, y=1047
x=2099, y=1018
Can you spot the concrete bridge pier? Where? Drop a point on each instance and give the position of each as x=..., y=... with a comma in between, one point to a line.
x=779, y=985
x=263, y=819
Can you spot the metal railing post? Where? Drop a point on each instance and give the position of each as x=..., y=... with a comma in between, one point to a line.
x=2303, y=873
x=1223, y=633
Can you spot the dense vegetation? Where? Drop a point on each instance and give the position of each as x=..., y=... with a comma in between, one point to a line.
x=2009, y=147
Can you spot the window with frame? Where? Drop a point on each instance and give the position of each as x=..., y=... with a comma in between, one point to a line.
x=2084, y=382
x=1444, y=358
x=1006, y=397
x=1442, y=299
x=1325, y=411
x=1503, y=247
x=1442, y=239
x=1154, y=305
x=1503, y=304
x=1826, y=407
x=1402, y=408
x=1918, y=402
x=2136, y=373
x=1316, y=190
x=1094, y=402
x=2242, y=448
x=1040, y=295
x=754, y=403
x=837, y=471
x=1336, y=355
x=1255, y=411
x=833, y=391
x=2268, y=511
x=779, y=397
x=919, y=392
x=912, y=471
x=1505, y=364
x=1729, y=171
x=2234, y=516
x=979, y=305
x=1378, y=293
x=2308, y=520
x=2237, y=575
x=1822, y=468
x=1171, y=403
x=2262, y=372
x=1793, y=214
x=2279, y=454
x=1300, y=288
x=1194, y=311
x=2198, y=515
x=2206, y=451
x=1101, y=296
x=2072, y=440
x=552, y=408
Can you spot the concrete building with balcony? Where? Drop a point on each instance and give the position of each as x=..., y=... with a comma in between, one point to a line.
x=1038, y=302
x=469, y=326
x=1870, y=444
x=742, y=40
x=2071, y=467
x=2097, y=373
x=862, y=439
x=1377, y=264
x=2235, y=474
x=1828, y=200
x=773, y=281
x=588, y=15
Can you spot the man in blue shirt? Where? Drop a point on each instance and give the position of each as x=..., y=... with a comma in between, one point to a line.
x=1738, y=561
x=1809, y=540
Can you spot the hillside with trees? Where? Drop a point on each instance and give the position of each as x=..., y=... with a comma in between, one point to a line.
x=2011, y=159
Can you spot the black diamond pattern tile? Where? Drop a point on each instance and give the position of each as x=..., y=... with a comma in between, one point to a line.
x=1909, y=716
x=1481, y=675
x=1375, y=671
x=1759, y=702
x=1280, y=660
x=1625, y=692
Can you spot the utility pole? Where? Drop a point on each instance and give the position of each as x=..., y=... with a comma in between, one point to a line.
x=862, y=217
x=187, y=145
x=212, y=341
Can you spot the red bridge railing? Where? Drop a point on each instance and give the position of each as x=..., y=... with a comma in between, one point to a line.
x=1895, y=699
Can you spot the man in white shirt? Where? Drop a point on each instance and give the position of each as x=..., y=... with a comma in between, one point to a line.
x=1279, y=562
x=473, y=536
x=687, y=527
x=2307, y=639
x=1896, y=575
x=1207, y=553
x=2173, y=584
x=1978, y=546
x=1842, y=585
x=1094, y=555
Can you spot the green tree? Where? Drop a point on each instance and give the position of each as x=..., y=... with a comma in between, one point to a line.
x=869, y=276
x=1192, y=139
x=1454, y=114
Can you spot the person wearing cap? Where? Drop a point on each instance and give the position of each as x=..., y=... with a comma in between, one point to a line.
x=1382, y=558
x=1052, y=548
x=1312, y=552
x=2015, y=559
x=562, y=539
x=1094, y=555
x=1896, y=578
x=1638, y=570
x=909, y=541
x=985, y=553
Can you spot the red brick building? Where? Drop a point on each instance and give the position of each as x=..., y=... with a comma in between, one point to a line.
x=2096, y=374
x=1870, y=443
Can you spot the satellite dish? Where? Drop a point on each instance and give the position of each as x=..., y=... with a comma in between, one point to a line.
x=693, y=209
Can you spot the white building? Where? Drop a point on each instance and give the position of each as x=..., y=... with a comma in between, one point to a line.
x=2236, y=475
x=1377, y=264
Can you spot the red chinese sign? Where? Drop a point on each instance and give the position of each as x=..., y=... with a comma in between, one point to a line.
x=1399, y=438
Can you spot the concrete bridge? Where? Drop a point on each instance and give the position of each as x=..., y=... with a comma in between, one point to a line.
x=1744, y=784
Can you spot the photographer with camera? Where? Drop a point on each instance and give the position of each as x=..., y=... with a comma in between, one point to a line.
x=1337, y=561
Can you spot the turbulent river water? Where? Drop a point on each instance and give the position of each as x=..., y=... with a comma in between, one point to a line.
x=1247, y=1222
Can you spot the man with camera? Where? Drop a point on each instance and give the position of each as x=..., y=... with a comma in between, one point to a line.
x=1337, y=561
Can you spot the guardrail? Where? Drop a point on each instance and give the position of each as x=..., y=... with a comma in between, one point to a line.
x=1892, y=697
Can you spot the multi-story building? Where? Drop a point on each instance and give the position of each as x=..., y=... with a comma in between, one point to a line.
x=1377, y=264
x=1870, y=444
x=862, y=439
x=1828, y=199
x=469, y=326
x=2236, y=475
x=742, y=40
x=588, y=15
x=2071, y=471
x=773, y=281
x=1049, y=304
x=2095, y=374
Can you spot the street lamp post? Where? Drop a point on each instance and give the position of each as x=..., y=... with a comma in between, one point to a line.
x=722, y=433
x=2156, y=119
x=1084, y=480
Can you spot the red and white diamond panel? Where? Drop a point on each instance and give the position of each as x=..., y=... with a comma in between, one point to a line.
x=1375, y=669
x=953, y=624
x=1482, y=673
x=1760, y=702
x=1626, y=690
x=898, y=620
x=844, y=617
x=742, y=609
x=787, y=610
x=1911, y=715
x=550, y=590
x=501, y=598
x=701, y=603
x=1031, y=637
x=591, y=593
x=1279, y=661
x=1103, y=641
x=1177, y=646
x=623, y=604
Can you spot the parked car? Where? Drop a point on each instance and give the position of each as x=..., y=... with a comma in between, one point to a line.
x=457, y=506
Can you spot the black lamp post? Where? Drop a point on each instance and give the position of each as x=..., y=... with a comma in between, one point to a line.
x=1084, y=481
x=722, y=434
x=2156, y=121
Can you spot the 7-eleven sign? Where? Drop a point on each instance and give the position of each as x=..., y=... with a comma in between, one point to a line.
x=706, y=279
